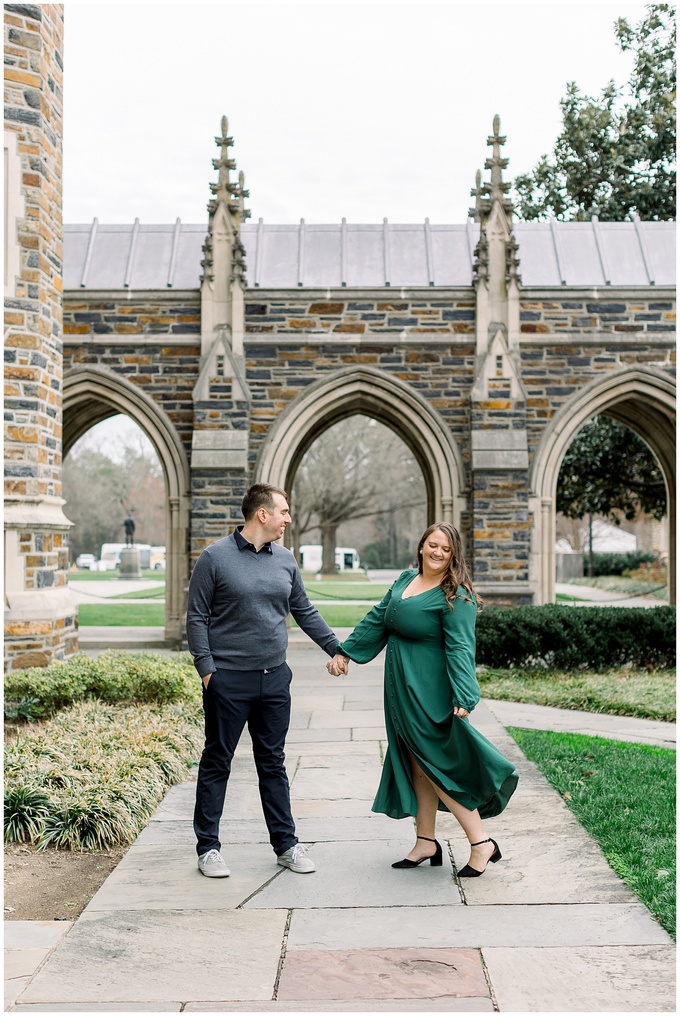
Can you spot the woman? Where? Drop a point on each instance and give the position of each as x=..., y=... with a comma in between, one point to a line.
x=435, y=759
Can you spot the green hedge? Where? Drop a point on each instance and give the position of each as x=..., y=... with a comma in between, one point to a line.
x=617, y=564
x=115, y=677
x=572, y=638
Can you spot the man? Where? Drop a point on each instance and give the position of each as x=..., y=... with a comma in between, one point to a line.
x=241, y=591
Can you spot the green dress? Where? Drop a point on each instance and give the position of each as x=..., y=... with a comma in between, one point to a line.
x=429, y=669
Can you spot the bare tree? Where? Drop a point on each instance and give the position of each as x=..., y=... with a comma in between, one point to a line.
x=356, y=469
x=334, y=482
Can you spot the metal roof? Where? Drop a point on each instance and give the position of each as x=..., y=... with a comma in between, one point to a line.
x=551, y=254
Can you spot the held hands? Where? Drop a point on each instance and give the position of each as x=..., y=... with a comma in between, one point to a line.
x=338, y=665
x=459, y=711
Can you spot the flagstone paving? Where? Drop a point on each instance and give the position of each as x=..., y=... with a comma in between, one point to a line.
x=549, y=928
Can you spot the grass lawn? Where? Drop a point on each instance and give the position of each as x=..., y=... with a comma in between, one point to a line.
x=650, y=695
x=565, y=598
x=85, y=575
x=624, y=795
x=340, y=615
x=121, y=615
x=372, y=592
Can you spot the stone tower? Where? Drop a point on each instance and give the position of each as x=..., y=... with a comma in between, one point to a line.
x=40, y=615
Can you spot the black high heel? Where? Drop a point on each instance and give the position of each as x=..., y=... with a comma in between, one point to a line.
x=435, y=860
x=469, y=872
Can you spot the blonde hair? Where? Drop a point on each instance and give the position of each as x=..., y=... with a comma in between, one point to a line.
x=457, y=573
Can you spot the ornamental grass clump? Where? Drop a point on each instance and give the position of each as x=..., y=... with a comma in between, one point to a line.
x=91, y=777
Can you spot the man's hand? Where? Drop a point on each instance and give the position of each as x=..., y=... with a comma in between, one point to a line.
x=206, y=680
x=338, y=665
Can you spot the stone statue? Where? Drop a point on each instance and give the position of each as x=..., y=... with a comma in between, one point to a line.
x=129, y=524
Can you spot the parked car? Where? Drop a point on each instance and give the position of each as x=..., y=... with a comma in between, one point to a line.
x=86, y=561
x=157, y=559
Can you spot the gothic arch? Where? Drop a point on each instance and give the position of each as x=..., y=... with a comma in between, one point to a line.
x=387, y=399
x=641, y=398
x=93, y=394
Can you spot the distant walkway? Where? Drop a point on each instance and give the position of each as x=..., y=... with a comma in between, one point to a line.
x=591, y=596
x=617, y=728
x=92, y=591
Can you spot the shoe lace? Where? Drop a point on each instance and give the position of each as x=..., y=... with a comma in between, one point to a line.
x=299, y=852
x=212, y=855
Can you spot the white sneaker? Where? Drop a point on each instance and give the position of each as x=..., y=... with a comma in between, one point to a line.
x=296, y=859
x=212, y=865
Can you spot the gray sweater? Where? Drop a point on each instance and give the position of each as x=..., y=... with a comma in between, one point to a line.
x=238, y=605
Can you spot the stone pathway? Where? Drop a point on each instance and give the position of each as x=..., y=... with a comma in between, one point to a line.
x=550, y=928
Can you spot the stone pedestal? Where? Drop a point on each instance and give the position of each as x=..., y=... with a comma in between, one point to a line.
x=130, y=567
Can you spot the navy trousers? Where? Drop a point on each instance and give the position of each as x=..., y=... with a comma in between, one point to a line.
x=261, y=699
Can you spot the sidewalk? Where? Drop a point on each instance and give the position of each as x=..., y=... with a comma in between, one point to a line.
x=550, y=928
x=591, y=596
x=617, y=728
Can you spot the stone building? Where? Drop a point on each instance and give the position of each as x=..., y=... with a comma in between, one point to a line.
x=485, y=346
x=40, y=615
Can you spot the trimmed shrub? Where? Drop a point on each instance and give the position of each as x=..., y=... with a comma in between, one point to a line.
x=114, y=676
x=617, y=564
x=574, y=638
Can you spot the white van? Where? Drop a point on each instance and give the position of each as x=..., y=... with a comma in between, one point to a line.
x=311, y=557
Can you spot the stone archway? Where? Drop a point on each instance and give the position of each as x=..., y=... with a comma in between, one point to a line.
x=375, y=394
x=93, y=394
x=642, y=399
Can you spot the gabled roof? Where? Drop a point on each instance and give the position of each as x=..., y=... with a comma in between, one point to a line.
x=551, y=254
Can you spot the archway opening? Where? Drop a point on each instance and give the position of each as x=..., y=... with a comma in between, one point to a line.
x=641, y=399
x=359, y=497
x=611, y=504
x=370, y=393
x=110, y=474
x=93, y=395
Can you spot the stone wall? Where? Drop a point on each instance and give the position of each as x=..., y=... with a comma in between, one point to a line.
x=151, y=342
x=570, y=342
x=596, y=315
x=379, y=315
x=39, y=626
x=294, y=339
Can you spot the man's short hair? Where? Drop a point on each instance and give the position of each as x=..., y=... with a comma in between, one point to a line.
x=260, y=495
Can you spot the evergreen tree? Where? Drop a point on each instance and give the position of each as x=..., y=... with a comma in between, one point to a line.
x=615, y=156
x=608, y=470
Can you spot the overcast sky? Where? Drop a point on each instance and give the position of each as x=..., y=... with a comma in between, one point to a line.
x=362, y=110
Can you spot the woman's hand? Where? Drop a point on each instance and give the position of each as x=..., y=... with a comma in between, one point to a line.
x=338, y=665
x=459, y=711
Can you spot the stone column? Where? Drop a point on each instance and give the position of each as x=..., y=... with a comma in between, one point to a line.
x=40, y=614
x=220, y=466
x=500, y=459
